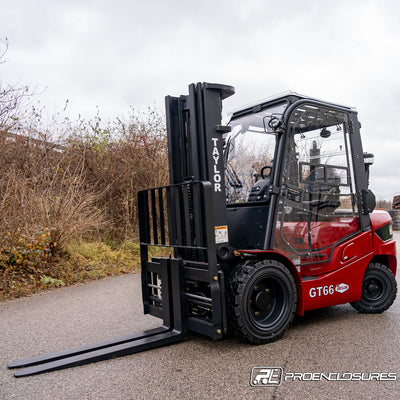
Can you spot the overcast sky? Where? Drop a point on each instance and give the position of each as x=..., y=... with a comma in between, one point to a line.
x=122, y=53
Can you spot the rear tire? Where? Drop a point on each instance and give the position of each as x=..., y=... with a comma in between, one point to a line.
x=262, y=299
x=379, y=289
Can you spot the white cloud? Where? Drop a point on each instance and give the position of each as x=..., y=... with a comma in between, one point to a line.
x=132, y=52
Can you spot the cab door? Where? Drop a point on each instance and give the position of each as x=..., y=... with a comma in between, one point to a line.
x=317, y=211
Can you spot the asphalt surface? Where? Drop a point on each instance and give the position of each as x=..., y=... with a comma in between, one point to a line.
x=336, y=341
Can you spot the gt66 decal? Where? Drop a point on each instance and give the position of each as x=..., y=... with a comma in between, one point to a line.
x=328, y=290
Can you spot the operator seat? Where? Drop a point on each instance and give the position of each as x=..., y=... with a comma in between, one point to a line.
x=259, y=192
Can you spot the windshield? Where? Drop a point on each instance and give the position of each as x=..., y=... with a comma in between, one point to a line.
x=249, y=155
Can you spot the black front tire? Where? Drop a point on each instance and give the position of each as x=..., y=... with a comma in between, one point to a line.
x=379, y=289
x=262, y=299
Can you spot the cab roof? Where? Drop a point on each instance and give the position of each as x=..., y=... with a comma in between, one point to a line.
x=288, y=97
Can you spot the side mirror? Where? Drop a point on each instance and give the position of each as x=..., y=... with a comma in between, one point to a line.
x=273, y=123
x=368, y=161
x=368, y=201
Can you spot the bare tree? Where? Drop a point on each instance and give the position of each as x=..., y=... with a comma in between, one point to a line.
x=11, y=97
x=3, y=49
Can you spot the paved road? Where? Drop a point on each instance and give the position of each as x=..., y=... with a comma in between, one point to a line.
x=332, y=340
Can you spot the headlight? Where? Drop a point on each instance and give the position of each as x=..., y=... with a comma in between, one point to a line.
x=385, y=232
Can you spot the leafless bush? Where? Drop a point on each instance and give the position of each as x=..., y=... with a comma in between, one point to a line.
x=42, y=188
x=88, y=184
x=88, y=181
x=126, y=156
x=13, y=98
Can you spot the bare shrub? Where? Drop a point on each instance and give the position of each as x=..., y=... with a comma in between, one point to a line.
x=126, y=156
x=69, y=207
x=62, y=180
x=88, y=184
x=88, y=181
x=39, y=187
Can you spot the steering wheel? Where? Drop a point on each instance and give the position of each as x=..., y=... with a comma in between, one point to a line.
x=330, y=199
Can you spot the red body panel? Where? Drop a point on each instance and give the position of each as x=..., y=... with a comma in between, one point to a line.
x=343, y=282
x=343, y=254
x=324, y=237
x=388, y=248
x=337, y=287
x=323, y=234
x=338, y=280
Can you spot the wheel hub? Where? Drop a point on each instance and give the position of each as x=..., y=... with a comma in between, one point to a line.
x=372, y=288
x=262, y=300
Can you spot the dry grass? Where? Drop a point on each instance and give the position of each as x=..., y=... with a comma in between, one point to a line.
x=82, y=261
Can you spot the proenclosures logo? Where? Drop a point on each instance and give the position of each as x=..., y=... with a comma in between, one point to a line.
x=274, y=376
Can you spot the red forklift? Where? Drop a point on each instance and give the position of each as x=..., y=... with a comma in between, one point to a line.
x=265, y=218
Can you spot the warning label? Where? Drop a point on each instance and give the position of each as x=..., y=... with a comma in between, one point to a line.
x=221, y=234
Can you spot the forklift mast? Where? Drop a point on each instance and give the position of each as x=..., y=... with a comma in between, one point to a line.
x=189, y=215
x=195, y=141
